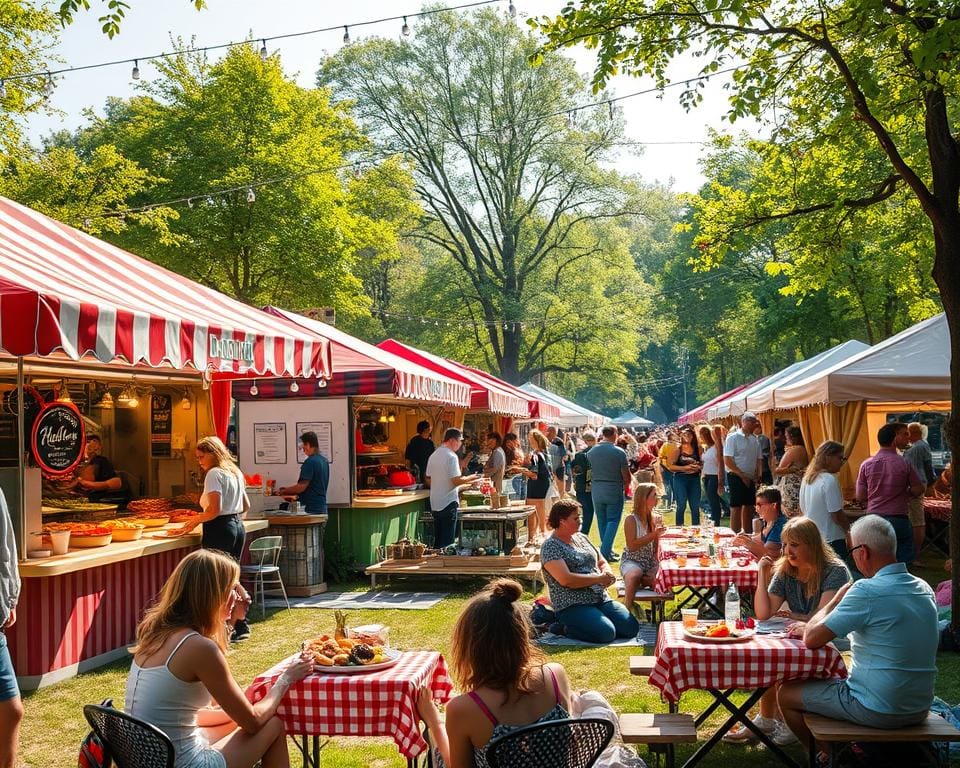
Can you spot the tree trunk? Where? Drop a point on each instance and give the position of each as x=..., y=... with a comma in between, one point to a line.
x=946, y=272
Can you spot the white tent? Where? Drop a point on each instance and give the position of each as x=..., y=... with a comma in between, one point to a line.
x=913, y=366
x=571, y=414
x=759, y=396
x=630, y=419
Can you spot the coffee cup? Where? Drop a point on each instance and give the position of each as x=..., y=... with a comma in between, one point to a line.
x=60, y=542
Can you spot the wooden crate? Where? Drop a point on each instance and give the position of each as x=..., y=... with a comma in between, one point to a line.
x=484, y=561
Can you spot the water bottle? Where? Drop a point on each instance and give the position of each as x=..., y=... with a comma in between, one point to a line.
x=731, y=607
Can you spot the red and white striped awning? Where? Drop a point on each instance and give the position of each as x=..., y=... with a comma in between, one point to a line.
x=65, y=292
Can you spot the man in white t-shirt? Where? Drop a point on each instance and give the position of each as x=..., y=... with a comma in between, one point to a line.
x=821, y=498
x=742, y=458
x=444, y=479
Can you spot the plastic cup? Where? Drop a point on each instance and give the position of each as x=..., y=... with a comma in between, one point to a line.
x=689, y=617
x=681, y=560
x=60, y=542
x=757, y=525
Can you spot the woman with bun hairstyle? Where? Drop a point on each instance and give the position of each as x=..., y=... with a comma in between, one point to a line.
x=179, y=668
x=508, y=681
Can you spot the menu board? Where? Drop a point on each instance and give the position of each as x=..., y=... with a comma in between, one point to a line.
x=161, y=421
x=58, y=438
x=270, y=443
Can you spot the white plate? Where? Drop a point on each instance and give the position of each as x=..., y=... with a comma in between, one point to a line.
x=393, y=658
x=740, y=636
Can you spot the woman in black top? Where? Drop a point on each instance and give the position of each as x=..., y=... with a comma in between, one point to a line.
x=538, y=474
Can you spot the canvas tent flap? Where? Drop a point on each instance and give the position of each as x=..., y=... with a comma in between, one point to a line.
x=586, y=416
x=631, y=419
x=537, y=408
x=701, y=411
x=913, y=365
x=65, y=292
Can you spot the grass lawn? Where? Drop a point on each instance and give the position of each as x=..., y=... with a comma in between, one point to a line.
x=54, y=723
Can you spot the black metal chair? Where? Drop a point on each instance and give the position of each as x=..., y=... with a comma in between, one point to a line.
x=574, y=743
x=129, y=742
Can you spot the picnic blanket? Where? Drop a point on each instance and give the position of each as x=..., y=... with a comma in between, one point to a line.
x=646, y=636
x=408, y=601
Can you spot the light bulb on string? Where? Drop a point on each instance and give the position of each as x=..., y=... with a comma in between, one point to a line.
x=210, y=200
x=263, y=50
x=3, y=90
x=346, y=35
x=254, y=389
x=135, y=73
x=189, y=202
x=86, y=223
x=405, y=29
x=48, y=87
x=512, y=9
x=294, y=387
x=251, y=195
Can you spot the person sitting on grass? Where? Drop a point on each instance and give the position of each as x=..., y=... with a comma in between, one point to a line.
x=178, y=665
x=768, y=541
x=578, y=576
x=891, y=618
x=642, y=531
x=804, y=579
x=508, y=681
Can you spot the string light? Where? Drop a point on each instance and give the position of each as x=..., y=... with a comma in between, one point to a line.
x=135, y=74
x=263, y=50
x=294, y=387
x=346, y=35
x=512, y=9
x=3, y=90
x=405, y=29
x=48, y=86
x=254, y=389
x=251, y=195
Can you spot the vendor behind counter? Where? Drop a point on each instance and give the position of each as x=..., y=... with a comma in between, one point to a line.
x=97, y=479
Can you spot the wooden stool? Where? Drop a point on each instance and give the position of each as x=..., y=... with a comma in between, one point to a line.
x=658, y=731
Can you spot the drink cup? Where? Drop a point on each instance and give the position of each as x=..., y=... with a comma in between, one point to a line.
x=757, y=525
x=689, y=617
x=60, y=542
x=681, y=559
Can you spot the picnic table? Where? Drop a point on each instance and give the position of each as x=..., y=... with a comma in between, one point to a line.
x=379, y=703
x=937, y=509
x=706, y=583
x=687, y=531
x=753, y=664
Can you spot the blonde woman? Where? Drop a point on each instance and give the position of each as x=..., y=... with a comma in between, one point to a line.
x=179, y=668
x=821, y=498
x=803, y=580
x=538, y=474
x=224, y=502
x=641, y=531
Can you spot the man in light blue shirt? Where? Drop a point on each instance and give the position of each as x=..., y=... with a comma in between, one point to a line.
x=610, y=476
x=891, y=618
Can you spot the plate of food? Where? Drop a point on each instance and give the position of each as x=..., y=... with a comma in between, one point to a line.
x=92, y=536
x=718, y=632
x=124, y=530
x=168, y=533
x=345, y=656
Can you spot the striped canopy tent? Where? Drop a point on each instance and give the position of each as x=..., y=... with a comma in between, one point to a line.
x=360, y=368
x=571, y=414
x=484, y=395
x=66, y=294
x=700, y=412
x=538, y=409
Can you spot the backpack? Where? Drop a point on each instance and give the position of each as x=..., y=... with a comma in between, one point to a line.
x=93, y=754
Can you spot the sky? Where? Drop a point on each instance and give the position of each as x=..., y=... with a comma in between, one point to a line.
x=673, y=137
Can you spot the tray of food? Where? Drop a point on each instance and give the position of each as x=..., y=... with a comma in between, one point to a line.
x=91, y=536
x=145, y=507
x=151, y=521
x=182, y=515
x=76, y=505
x=378, y=492
x=719, y=632
x=124, y=530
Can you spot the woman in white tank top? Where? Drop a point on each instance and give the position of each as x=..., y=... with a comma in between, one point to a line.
x=179, y=669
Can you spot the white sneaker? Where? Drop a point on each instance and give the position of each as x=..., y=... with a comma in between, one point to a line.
x=742, y=734
x=782, y=736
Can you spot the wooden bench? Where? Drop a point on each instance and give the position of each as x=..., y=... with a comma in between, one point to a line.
x=660, y=732
x=839, y=733
x=642, y=665
x=657, y=601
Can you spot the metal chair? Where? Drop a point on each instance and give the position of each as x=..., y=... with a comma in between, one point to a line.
x=127, y=741
x=574, y=743
x=264, y=570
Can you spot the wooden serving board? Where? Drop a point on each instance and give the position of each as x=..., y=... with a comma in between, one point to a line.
x=484, y=561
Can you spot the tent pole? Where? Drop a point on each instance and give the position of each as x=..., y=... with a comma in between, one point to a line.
x=21, y=522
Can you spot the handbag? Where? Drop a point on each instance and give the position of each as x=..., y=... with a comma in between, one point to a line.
x=92, y=752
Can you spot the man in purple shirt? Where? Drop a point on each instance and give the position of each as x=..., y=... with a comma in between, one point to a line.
x=886, y=483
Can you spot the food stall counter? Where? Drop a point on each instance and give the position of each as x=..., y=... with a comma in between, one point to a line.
x=372, y=522
x=80, y=559
x=385, y=502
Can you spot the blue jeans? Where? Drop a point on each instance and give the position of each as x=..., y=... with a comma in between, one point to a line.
x=904, y=531
x=608, y=508
x=8, y=678
x=445, y=525
x=586, y=502
x=686, y=487
x=710, y=485
x=667, y=476
x=519, y=483
x=601, y=623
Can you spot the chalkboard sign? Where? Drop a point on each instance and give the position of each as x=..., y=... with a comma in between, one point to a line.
x=161, y=421
x=58, y=438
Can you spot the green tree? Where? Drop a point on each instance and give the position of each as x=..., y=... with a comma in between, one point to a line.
x=201, y=127
x=112, y=17
x=874, y=86
x=514, y=190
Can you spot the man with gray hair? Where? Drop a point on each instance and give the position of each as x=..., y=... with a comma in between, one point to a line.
x=891, y=618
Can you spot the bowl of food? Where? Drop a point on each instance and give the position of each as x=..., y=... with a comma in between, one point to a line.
x=92, y=536
x=124, y=530
x=151, y=521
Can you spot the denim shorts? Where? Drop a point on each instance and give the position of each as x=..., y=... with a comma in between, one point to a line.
x=832, y=698
x=8, y=678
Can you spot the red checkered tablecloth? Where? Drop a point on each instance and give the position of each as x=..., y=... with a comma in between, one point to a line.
x=758, y=662
x=379, y=703
x=938, y=509
x=671, y=575
x=685, y=532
